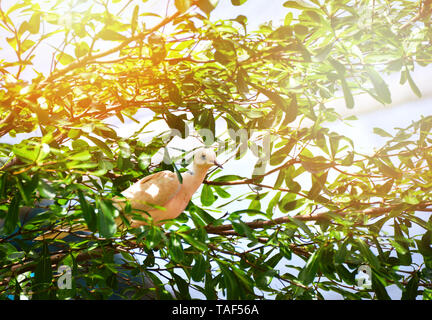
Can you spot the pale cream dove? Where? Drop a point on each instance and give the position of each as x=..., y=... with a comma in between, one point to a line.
x=161, y=195
x=164, y=190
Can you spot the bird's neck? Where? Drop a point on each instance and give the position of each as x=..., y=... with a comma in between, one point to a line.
x=194, y=178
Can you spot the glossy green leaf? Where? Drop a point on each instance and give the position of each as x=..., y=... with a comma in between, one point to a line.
x=88, y=212
x=370, y=257
x=380, y=86
x=176, y=248
x=379, y=288
x=411, y=289
x=12, y=218
x=110, y=35
x=207, y=195
x=349, y=99
x=103, y=146
x=206, y=6
x=43, y=275
x=105, y=218
x=308, y=273
x=238, y=2
x=194, y=242
x=412, y=84
x=182, y=5
x=134, y=20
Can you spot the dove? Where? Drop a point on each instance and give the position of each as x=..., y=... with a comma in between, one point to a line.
x=162, y=196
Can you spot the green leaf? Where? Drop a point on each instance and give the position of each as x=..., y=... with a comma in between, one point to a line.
x=368, y=254
x=24, y=153
x=175, y=248
x=297, y=4
x=81, y=156
x=339, y=67
x=410, y=292
x=74, y=134
x=194, y=242
x=199, y=268
x=229, y=177
x=46, y=190
x=206, y=6
x=229, y=280
x=243, y=229
x=382, y=132
x=26, y=45
x=341, y=254
x=318, y=184
x=103, y=146
x=241, y=81
x=174, y=94
x=12, y=217
x=389, y=171
x=225, y=51
x=182, y=5
x=65, y=58
x=237, y=2
x=345, y=275
x=207, y=195
x=125, y=149
x=273, y=202
x=379, y=288
x=81, y=49
x=427, y=294
x=349, y=99
x=177, y=123
x=153, y=236
x=316, y=164
x=221, y=192
x=307, y=274
x=43, y=275
x=106, y=223
x=290, y=109
x=412, y=84
x=285, y=204
x=110, y=35
x=380, y=86
x=302, y=226
x=424, y=245
x=401, y=245
x=182, y=286
x=134, y=20
x=176, y=170
x=281, y=154
x=88, y=212
x=34, y=23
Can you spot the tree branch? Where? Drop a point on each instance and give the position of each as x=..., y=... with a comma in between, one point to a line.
x=91, y=58
x=227, y=229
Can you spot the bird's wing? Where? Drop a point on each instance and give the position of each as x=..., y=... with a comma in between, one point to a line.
x=153, y=190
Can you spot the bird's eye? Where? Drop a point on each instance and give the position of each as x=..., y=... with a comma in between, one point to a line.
x=203, y=156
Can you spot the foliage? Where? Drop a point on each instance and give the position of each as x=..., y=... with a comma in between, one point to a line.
x=109, y=61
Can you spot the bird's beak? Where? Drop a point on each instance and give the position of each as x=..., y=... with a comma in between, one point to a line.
x=218, y=164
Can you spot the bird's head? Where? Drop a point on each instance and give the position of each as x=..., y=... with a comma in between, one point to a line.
x=206, y=158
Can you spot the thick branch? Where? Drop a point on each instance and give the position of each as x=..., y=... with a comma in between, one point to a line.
x=91, y=58
x=227, y=229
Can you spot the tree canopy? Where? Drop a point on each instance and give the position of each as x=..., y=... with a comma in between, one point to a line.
x=268, y=90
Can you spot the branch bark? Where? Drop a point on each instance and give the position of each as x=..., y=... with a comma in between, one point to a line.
x=228, y=229
x=92, y=58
